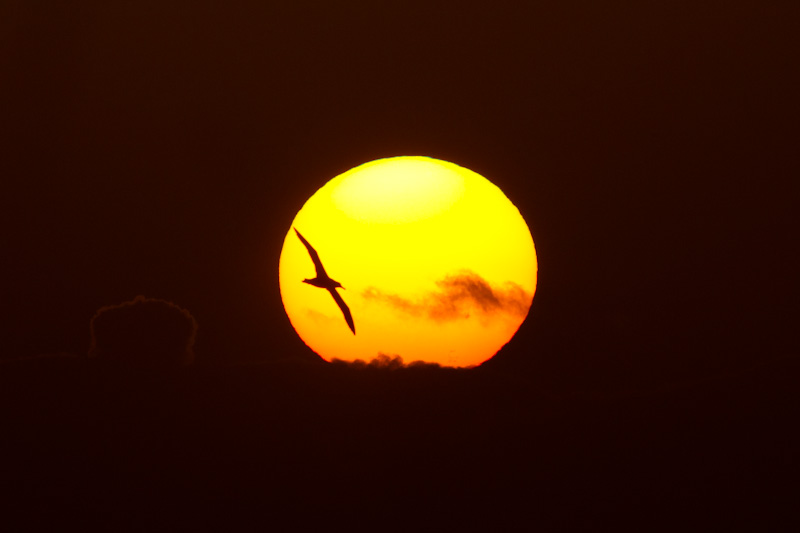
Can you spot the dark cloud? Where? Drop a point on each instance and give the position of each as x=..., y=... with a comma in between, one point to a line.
x=384, y=362
x=459, y=296
x=144, y=332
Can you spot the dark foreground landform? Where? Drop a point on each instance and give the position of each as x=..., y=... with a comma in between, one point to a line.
x=295, y=444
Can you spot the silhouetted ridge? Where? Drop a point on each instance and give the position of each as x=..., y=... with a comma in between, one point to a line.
x=144, y=332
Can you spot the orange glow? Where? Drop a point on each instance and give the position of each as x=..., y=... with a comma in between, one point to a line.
x=438, y=265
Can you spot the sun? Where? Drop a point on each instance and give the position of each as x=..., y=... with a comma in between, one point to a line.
x=435, y=263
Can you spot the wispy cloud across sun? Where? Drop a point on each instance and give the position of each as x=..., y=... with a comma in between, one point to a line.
x=459, y=296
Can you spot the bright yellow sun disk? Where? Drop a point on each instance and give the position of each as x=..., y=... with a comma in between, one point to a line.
x=438, y=265
x=396, y=191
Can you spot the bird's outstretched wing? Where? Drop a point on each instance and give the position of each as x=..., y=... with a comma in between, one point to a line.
x=345, y=310
x=314, y=256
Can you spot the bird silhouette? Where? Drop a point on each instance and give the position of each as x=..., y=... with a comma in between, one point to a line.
x=323, y=281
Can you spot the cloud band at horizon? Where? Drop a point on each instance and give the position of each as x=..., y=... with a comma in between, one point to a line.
x=437, y=264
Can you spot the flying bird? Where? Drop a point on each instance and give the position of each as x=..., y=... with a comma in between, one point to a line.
x=323, y=281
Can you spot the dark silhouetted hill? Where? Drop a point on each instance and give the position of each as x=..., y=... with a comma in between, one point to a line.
x=144, y=332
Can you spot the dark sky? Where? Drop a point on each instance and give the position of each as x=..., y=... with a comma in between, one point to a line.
x=163, y=148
